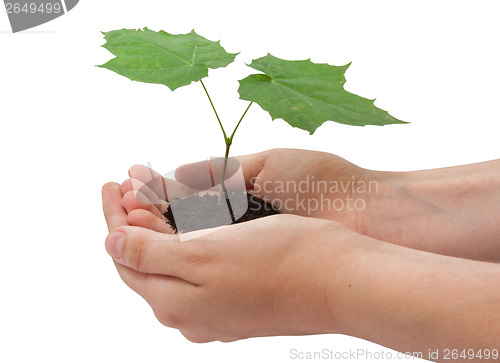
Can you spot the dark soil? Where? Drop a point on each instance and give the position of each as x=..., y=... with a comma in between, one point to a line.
x=199, y=212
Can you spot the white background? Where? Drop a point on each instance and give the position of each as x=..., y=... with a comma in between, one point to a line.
x=67, y=127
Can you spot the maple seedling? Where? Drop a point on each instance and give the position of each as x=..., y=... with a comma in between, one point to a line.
x=302, y=93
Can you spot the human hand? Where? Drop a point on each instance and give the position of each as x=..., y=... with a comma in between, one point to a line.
x=288, y=275
x=450, y=211
x=260, y=278
x=301, y=182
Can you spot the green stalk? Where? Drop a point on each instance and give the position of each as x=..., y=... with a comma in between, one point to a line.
x=222, y=187
x=215, y=111
x=239, y=122
x=227, y=140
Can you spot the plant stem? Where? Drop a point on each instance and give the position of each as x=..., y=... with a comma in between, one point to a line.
x=222, y=187
x=227, y=140
x=236, y=128
x=215, y=111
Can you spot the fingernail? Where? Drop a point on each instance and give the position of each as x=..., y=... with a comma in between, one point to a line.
x=114, y=244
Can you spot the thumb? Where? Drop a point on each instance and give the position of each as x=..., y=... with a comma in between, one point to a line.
x=150, y=252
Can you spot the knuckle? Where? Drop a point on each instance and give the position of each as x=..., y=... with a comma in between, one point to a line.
x=168, y=319
x=174, y=310
x=200, y=254
x=136, y=249
x=197, y=338
x=170, y=316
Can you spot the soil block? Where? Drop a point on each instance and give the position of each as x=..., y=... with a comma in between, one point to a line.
x=199, y=212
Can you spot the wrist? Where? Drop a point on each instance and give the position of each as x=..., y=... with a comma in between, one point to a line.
x=387, y=205
x=450, y=211
x=411, y=209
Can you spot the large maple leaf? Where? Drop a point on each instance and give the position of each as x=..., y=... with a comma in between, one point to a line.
x=306, y=94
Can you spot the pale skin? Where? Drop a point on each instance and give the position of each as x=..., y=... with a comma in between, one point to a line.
x=311, y=272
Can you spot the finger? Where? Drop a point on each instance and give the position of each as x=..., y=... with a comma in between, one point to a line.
x=176, y=190
x=252, y=165
x=165, y=189
x=156, y=253
x=135, y=280
x=148, y=286
x=145, y=219
x=196, y=175
x=126, y=186
x=151, y=197
x=132, y=201
x=114, y=213
x=151, y=178
x=204, y=175
x=146, y=196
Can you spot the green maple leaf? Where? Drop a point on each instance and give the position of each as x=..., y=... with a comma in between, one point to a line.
x=163, y=58
x=306, y=94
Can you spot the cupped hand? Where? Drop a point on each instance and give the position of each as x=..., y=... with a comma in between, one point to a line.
x=260, y=278
x=301, y=182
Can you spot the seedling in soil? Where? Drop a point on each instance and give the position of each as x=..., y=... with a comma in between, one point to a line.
x=302, y=93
